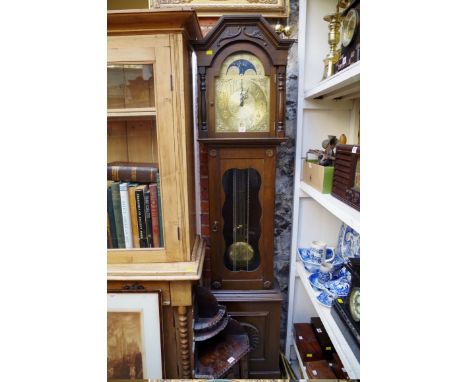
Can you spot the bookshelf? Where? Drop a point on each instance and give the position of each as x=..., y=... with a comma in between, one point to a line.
x=149, y=120
x=325, y=107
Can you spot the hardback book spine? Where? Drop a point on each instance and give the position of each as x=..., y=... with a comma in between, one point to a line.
x=161, y=227
x=109, y=239
x=110, y=214
x=132, y=172
x=140, y=207
x=127, y=224
x=117, y=207
x=133, y=214
x=149, y=228
x=153, y=187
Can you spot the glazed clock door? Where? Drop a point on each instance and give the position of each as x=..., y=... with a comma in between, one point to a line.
x=242, y=185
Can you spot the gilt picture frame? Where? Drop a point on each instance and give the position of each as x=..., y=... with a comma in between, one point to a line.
x=134, y=341
x=214, y=8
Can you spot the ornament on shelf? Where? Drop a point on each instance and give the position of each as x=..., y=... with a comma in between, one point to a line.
x=326, y=156
x=334, y=27
x=342, y=140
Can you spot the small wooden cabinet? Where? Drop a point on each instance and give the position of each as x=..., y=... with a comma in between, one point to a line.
x=150, y=120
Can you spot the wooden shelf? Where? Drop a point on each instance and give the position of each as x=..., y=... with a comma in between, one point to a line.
x=344, y=351
x=299, y=362
x=342, y=211
x=343, y=85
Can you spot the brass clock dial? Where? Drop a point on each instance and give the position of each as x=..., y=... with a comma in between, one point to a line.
x=355, y=304
x=350, y=24
x=242, y=98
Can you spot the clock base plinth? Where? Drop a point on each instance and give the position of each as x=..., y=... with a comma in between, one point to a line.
x=259, y=312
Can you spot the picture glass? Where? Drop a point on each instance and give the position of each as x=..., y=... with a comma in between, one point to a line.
x=124, y=345
x=133, y=336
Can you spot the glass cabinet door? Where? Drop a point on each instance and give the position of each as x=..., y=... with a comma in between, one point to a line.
x=132, y=157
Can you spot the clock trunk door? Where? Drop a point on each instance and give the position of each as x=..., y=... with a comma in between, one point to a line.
x=241, y=215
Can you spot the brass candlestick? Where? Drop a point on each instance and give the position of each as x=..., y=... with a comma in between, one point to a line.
x=333, y=55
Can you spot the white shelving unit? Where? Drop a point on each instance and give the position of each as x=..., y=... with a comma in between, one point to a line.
x=328, y=107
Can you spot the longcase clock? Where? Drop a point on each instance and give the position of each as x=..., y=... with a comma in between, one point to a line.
x=241, y=78
x=241, y=70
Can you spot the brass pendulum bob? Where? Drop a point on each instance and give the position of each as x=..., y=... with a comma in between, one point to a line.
x=333, y=55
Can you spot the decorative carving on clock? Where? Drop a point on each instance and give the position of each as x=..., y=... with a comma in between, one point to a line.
x=256, y=34
x=230, y=33
x=253, y=333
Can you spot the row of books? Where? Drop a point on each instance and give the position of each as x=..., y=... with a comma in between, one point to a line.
x=134, y=217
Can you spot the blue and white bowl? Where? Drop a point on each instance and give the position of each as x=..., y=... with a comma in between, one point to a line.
x=304, y=254
x=311, y=265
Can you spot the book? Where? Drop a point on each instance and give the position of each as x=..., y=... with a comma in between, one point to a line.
x=149, y=229
x=110, y=215
x=153, y=188
x=140, y=207
x=132, y=172
x=117, y=207
x=161, y=231
x=133, y=214
x=125, y=205
x=109, y=239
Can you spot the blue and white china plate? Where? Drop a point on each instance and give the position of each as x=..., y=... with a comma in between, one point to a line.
x=341, y=272
x=325, y=299
x=314, y=281
x=339, y=287
x=348, y=242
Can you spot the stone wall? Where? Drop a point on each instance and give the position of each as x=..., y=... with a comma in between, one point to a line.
x=285, y=177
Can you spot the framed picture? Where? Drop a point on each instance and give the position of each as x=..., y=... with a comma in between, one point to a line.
x=210, y=8
x=134, y=336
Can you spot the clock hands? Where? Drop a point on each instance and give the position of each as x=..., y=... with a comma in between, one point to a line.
x=243, y=94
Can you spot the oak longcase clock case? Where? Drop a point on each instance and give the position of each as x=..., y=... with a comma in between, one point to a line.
x=241, y=73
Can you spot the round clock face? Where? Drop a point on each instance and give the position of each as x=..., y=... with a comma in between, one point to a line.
x=242, y=99
x=350, y=24
x=354, y=303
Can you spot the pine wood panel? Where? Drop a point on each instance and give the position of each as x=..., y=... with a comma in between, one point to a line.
x=116, y=141
x=142, y=142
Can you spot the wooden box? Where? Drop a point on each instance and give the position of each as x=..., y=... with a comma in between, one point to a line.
x=307, y=343
x=319, y=177
x=322, y=337
x=346, y=179
x=319, y=370
x=338, y=368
